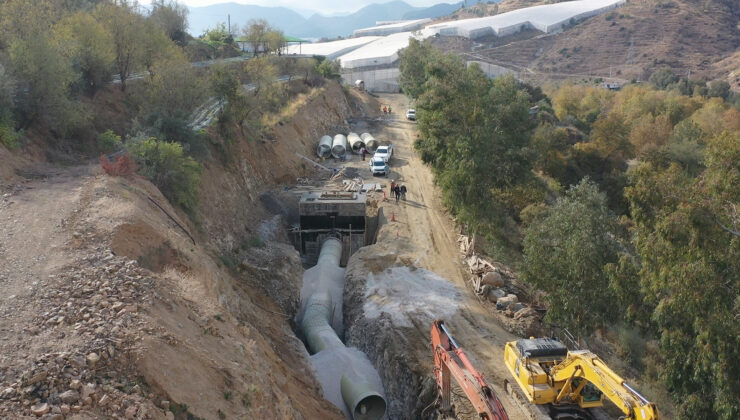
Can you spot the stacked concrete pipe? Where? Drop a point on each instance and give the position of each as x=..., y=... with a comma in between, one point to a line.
x=324, y=148
x=355, y=142
x=339, y=146
x=363, y=400
x=370, y=143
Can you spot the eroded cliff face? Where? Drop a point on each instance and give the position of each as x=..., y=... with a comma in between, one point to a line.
x=231, y=208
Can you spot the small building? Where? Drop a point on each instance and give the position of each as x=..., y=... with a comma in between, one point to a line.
x=332, y=213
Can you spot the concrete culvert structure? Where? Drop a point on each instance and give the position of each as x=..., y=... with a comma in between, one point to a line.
x=347, y=377
x=355, y=142
x=324, y=148
x=339, y=146
x=370, y=143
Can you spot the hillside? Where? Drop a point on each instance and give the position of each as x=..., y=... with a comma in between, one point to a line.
x=633, y=41
x=316, y=26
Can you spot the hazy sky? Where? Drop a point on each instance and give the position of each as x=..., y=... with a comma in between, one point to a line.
x=323, y=6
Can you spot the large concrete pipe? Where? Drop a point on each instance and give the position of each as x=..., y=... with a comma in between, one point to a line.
x=370, y=143
x=362, y=399
x=339, y=146
x=324, y=149
x=319, y=334
x=325, y=276
x=355, y=142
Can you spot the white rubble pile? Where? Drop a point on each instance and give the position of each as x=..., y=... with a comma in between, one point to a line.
x=407, y=292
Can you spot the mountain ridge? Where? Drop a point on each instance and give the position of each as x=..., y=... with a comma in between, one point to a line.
x=317, y=25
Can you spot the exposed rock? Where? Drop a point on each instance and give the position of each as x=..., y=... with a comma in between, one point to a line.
x=131, y=412
x=70, y=396
x=40, y=409
x=7, y=393
x=104, y=400
x=92, y=359
x=75, y=384
x=37, y=378
x=53, y=416
x=493, y=279
x=87, y=391
x=506, y=301
x=524, y=313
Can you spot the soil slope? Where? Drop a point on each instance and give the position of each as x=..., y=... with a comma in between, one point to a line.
x=630, y=42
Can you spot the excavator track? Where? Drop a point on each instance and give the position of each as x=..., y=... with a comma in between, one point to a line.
x=569, y=412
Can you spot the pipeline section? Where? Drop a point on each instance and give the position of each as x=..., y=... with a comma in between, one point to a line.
x=324, y=148
x=355, y=141
x=339, y=146
x=321, y=283
x=370, y=143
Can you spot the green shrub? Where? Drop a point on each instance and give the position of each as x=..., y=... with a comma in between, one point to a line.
x=166, y=165
x=328, y=69
x=9, y=136
x=109, y=141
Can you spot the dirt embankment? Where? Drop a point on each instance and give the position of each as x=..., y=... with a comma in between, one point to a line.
x=110, y=309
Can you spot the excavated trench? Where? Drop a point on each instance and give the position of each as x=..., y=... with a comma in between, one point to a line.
x=348, y=379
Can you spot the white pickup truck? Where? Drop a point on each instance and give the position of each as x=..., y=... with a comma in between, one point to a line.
x=384, y=152
x=379, y=167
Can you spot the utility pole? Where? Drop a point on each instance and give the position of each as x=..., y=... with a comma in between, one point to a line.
x=228, y=18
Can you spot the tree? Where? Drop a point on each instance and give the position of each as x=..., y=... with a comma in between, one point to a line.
x=565, y=254
x=688, y=263
x=46, y=76
x=89, y=46
x=172, y=17
x=412, y=63
x=719, y=89
x=474, y=133
x=663, y=78
x=256, y=34
x=157, y=47
x=129, y=32
x=274, y=41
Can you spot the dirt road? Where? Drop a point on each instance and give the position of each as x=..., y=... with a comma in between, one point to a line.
x=425, y=235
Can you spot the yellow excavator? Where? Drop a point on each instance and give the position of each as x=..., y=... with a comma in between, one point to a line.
x=547, y=373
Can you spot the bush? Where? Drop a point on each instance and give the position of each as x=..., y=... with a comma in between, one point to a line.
x=9, y=136
x=328, y=69
x=109, y=141
x=166, y=165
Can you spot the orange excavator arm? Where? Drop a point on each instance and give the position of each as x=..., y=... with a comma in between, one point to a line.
x=450, y=361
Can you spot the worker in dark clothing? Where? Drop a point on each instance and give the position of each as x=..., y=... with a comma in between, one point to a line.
x=363, y=152
x=403, y=192
x=397, y=191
